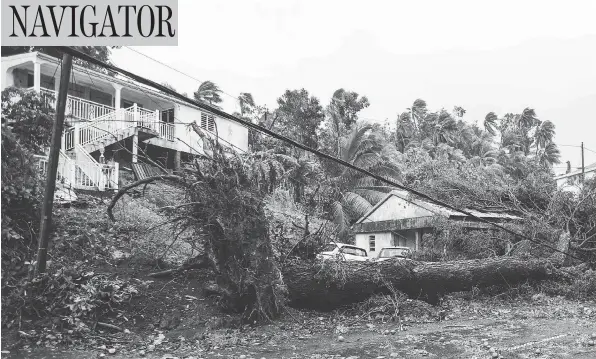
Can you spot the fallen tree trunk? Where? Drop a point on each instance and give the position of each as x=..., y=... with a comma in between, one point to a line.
x=328, y=285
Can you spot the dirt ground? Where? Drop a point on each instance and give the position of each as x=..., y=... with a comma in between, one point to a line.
x=176, y=321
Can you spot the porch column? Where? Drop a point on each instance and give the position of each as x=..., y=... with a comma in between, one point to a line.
x=37, y=76
x=56, y=90
x=177, y=161
x=135, y=146
x=417, y=234
x=117, y=97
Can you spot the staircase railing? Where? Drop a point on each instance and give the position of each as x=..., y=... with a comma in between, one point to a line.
x=91, y=173
x=146, y=118
x=66, y=168
x=84, y=173
x=103, y=127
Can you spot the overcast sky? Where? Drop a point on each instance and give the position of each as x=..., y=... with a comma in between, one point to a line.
x=499, y=56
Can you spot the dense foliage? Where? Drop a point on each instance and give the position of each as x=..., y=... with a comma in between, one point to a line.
x=26, y=129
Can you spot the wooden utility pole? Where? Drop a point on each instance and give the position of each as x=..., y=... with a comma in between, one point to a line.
x=48, y=196
x=583, y=169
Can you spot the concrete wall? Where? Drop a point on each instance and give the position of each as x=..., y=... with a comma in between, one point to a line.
x=228, y=131
x=406, y=238
x=381, y=240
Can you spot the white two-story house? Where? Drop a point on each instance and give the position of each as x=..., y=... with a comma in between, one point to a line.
x=114, y=122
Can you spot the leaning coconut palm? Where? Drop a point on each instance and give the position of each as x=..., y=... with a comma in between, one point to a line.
x=444, y=127
x=544, y=135
x=418, y=111
x=549, y=155
x=208, y=92
x=490, y=123
x=356, y=193
x=247, y=103
x=527, y=118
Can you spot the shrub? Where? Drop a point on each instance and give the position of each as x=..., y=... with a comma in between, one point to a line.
x=76, y=298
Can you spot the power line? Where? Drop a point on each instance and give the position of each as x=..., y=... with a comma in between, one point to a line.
x=175, y=69
x=236, y=97
x=318, y=153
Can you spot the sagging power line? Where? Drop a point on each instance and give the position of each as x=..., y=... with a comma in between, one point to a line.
x=216, y=111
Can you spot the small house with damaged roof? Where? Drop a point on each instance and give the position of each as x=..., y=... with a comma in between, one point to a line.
x=400, y=219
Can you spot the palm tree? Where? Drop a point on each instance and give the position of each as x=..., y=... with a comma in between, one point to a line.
x=417, y=112
x=444, y=126
x=549, y=155
x=208, y=92
x=247, y=103
x=357, y=193
x=527, y=118
x=490, y=123
x=544, y=134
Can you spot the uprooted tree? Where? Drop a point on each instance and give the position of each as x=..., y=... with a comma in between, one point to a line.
x=331, y=284
x=225, y=207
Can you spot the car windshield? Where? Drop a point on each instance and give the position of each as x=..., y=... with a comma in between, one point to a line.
x=330, y=247
x=394, y=252
x=354, y=251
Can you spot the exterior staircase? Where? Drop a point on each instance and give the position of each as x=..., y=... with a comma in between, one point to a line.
x=78, y=169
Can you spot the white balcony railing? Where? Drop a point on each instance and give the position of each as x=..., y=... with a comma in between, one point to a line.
x=81, y=109
x=166, y=130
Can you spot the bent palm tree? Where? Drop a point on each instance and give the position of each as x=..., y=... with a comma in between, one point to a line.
x=490, y=123
x=544, y=134
x=549, y=155
x=247, y=102
x=357, y=193
x=208, y=92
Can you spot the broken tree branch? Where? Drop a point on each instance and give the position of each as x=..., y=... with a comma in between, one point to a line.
x=130, y=186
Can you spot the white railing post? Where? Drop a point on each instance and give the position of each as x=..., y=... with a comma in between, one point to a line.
x=116, y=175
x=76, y=136
x=136, y=114
x=156, y=121
x=72, y=173
x=37, y=77
x=101, y=181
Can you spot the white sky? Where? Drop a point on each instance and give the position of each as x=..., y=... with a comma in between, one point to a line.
x=485, y=56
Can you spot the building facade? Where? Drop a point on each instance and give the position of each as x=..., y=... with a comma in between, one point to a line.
x=401, y=220
x=113, y=121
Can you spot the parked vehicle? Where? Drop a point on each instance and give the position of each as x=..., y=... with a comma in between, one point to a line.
x=394, y=252
x=342, y=251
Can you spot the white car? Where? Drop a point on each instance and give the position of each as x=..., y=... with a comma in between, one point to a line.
x=393, y=252
x=342, y=251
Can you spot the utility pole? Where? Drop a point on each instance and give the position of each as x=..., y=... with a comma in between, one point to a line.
x=48, y=196
x=582, y=179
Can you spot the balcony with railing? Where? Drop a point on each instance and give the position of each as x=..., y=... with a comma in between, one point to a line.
x=80, y=109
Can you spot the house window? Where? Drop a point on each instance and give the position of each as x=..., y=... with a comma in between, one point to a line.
x=208, y=122
x=100, y=97
x=167, y=116
x=76, y=90
x=371, y=243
